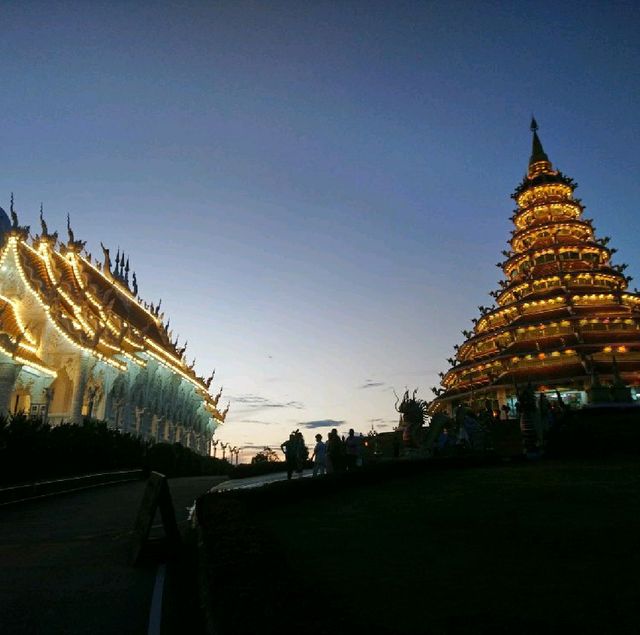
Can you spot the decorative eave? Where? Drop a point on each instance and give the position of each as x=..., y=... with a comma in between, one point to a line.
x=91, y=312
x=545, y=178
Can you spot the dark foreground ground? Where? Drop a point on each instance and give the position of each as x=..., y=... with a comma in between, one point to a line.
x=65, y=569
x=544, y=547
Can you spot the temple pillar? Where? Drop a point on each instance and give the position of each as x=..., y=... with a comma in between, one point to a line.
x=104, y=407
x=8, y=375
x=79, y=386
x=116, y=416
x=128, y=418
x=139, y=421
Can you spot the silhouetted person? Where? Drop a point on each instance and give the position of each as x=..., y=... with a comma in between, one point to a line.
x=319, y=456
x=351, y=450
x=334, y=452
x=301, y=453
x=290, y=454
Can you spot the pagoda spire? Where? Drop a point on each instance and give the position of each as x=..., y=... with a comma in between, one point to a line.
x=538, y=161
x=537, y=151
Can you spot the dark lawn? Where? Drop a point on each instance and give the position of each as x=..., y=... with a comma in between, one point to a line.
x=545, y=547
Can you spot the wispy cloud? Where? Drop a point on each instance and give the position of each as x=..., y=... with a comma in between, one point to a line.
x=390, y=425
x=370, y=383
x=321, y=423
x=254, y=446
x=416, y=373
x=254, y=403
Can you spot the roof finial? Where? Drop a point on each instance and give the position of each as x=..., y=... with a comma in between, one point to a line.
x=537, y=151
x=43, y=224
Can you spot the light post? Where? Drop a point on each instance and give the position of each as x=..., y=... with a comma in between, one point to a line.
x=236, y=450
x=224, y=447
x=215, y=447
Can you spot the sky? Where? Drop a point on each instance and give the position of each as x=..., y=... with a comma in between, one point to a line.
x=318, y=191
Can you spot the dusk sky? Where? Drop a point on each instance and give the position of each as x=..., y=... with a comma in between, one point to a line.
x=318, y=191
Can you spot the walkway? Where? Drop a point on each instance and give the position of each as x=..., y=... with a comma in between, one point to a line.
x=64, y=561
x=256, y=481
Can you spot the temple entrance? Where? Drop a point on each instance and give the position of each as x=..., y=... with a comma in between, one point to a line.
x=62, y=390
x=20, y=402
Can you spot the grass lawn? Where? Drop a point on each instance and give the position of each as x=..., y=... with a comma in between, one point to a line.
x=544, y=547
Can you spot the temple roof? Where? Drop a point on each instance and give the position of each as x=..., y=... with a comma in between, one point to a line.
x=91, y=309
x=5, y=222
x=15, y=339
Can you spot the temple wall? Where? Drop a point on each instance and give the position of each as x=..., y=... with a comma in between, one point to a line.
x=8, y=376
x=150, y=402
x=153, y=400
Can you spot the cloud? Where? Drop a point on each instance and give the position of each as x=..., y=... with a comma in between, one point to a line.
x=416, y=373
x=254, y=403
x=369, y=383
x=321, y=423
x=381, y=427
x=255, y=446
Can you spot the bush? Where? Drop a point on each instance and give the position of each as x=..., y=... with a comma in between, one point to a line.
x=31, y=450
x=173, y=459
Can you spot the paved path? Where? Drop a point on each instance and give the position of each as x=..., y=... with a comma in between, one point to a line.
x=256, y=481
x=63, y=561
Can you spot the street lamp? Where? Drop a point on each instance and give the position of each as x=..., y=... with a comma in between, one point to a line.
x=224, y=447
x=215, y=448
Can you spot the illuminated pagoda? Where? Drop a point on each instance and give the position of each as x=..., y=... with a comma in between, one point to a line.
x=563, y=319
x=76, y=341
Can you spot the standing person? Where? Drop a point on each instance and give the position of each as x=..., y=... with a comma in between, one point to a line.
x=319, y=456
x=302, y=454
x=290, y=453
x=334, y=452
x=351, y=450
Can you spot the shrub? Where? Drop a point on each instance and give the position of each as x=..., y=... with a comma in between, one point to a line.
x=31, y=450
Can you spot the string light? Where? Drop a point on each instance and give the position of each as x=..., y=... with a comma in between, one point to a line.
x=84, y=310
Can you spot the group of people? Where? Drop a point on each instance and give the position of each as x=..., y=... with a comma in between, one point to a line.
x=469, y=430
x=336, y=454
x=295, y=453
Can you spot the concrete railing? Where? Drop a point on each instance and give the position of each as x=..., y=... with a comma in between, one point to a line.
x=39, y=489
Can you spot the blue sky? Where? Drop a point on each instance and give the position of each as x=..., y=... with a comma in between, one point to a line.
x=319, y=191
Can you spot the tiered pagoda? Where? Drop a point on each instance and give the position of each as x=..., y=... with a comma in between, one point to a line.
x=563, y=319
x=77, y=341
